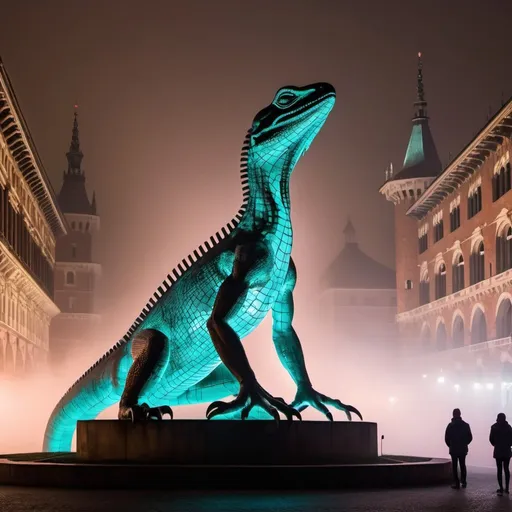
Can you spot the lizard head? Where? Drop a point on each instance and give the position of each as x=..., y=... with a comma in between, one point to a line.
x=286, y=128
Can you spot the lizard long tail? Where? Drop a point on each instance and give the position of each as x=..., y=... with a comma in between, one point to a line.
x=96, y=390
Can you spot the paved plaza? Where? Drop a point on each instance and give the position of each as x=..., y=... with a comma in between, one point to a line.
x=479, y=496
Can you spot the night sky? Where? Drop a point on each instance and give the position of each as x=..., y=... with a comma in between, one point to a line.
x=167, y=89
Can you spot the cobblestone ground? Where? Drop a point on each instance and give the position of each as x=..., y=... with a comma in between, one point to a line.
x=479, y=496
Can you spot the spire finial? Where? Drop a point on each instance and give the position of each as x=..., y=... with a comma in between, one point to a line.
x=350, y=233
x=420, y=102
x=74, y=155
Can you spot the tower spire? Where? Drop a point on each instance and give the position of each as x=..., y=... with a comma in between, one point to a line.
x=350, y=233
x=74, y=155
x=420, y=103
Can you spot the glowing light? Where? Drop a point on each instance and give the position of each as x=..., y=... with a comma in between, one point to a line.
x=457, y=387
x=392, y=399
x=440, y=380
x=419, y=55
x=490, y=386
x=424, y=375
x=290, y=130
x=477, y=385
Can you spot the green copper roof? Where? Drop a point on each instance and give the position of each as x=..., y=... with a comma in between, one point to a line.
x=421, y=158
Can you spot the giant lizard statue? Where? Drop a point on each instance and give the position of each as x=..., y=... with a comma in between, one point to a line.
x=185, y=347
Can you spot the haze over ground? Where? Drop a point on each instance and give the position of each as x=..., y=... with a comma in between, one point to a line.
x=166, y=93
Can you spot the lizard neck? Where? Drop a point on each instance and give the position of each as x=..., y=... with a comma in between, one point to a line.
x=269, y=197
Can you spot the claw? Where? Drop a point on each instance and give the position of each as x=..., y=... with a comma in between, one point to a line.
x=165, y=409
x=155, y=413
x=350, y=409
x=329, y=416
x=213, y=405
x=274, y=414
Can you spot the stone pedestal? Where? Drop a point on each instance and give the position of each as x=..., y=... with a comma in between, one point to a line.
x=252, y=442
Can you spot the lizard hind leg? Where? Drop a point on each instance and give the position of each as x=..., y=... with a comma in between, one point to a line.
x=151, y=353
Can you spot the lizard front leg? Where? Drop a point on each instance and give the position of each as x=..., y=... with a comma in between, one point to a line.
x=290, y=353
x=249, y=270
x=150, y=351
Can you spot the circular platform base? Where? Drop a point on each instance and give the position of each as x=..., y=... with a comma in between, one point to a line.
x=227, y=442
x=64, y=471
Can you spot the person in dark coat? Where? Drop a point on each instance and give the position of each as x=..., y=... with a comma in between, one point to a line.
x=501, y=438
x=457, y=437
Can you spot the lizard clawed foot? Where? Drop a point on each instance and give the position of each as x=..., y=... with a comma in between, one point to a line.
x=308, y=396
x=250, y=396
x=143, y=412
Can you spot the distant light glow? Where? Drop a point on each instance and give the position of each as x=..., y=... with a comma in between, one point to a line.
x=392, y=399
x=424, y=375
x=477, y=385
x=457, y=387
x=490, y=386
x=440, y=380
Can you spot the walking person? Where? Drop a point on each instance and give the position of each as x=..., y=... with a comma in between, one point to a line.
x=501, y=438
x=457, y=437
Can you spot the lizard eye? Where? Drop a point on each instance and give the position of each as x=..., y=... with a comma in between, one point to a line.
x=285, y=99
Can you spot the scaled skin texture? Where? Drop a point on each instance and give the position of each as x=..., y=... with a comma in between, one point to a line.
x=185, y=347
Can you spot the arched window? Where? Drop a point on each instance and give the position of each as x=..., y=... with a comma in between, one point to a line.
x=424, y=289
x=458, y=332
x=87, y=226
x=476, y=264
x=501, y=181
x=70, y=277
x=458, y=274
x=441, y=281
x=504, y=250
x=478, y=327
x=504, y=319
x=73, y=225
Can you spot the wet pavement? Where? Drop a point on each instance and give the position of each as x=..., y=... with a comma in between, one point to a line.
x=480, y=496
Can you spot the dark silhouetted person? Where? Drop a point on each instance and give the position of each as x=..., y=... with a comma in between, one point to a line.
x=457, y=437
x=501, y=438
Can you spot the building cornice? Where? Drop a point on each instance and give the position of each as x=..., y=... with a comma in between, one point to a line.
x=474, y=293
x=469, y=160
x=78, y=265
x=94, y=220
x=24, y=152
x=13, y=271
x=80, y=316
x=398, y=190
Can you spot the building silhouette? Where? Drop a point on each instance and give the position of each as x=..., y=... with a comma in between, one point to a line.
x=453, y=238
x=76, y=271
x=358, y=299
x=30, y=222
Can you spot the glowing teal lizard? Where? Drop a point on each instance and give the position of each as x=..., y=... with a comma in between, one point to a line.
x=185, y=347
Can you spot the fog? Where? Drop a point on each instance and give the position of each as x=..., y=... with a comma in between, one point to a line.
x=165, y=95
x=411, y=408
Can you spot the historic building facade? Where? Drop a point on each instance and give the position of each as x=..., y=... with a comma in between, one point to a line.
x=453, y=237
x=76, y=271
x=358, y=300
x=30, y=222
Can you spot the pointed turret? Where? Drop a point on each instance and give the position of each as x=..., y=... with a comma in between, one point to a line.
x=74, y=155
x=421, y=158
x=354, y=269
x=73, y=195
x=350, y=233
